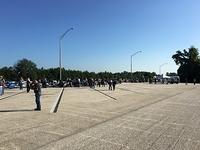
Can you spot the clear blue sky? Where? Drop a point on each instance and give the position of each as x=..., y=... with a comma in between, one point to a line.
x=106, y=32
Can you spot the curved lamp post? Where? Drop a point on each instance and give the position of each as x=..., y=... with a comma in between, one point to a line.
x=132, y=58
x=60, y=51
x=160, y=67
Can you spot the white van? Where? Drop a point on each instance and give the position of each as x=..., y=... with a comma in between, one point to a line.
x=174, y=79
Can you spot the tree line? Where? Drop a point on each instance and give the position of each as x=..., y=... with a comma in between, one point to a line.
x=187, y=60
x=27, y=69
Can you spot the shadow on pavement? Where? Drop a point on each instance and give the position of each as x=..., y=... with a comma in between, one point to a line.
x=103, y=90
x=104, y=94
x=17, y=110
x=12, y=95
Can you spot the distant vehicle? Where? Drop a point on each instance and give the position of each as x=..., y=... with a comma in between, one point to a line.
x=174, y=79
x=167, y=79
x=12, y=84
x=24, y=84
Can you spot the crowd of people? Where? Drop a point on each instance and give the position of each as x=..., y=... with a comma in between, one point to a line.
x=91, y=83
x=36, y=85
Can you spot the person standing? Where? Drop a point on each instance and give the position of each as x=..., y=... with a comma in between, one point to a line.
x=2, y=84
x=194, y=81
x=103, y=83
x=37, y=91
x=186, y=81
x=114, y=84
x=99, y=83
x=93, y=83
x=21, y=83
x=110, y=84
x=90, y=82
x=28, y=85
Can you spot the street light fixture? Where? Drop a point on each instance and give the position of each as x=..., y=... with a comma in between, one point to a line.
x=132, y=57
x=60, y=51
x=160, y=67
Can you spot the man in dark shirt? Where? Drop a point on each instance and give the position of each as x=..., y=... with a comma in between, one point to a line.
x=37, y=91
x=113, y=84
x=110, y=84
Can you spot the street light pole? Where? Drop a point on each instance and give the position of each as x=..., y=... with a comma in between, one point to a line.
x=132, y=58
x=60, y=51
x=160, y=67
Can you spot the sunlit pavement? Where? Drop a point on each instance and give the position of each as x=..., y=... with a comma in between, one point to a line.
x=134, y=116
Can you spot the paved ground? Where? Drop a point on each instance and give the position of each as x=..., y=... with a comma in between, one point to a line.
x=135, y=116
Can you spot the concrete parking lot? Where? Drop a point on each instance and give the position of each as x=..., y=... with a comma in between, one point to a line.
x=134, y=116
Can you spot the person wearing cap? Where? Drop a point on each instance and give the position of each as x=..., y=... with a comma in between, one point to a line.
x=37, y=91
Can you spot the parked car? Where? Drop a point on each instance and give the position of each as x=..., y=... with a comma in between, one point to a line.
x=11, y=84
x=174, y=79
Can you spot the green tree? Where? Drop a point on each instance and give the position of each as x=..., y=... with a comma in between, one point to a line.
x=186, y=57
x=8, y=73
x=26, y=68
x=189, y=64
